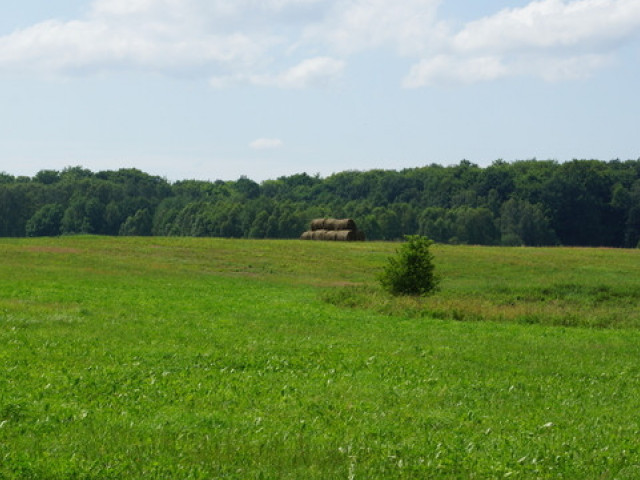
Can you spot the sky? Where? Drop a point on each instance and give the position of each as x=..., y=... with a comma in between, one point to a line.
x=219, y=89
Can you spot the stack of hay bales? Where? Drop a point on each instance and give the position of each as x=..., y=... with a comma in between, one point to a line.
x=334, y=229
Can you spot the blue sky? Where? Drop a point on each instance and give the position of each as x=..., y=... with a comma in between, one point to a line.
x=217, y=89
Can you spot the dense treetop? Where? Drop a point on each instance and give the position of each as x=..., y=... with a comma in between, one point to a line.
x=582, y=202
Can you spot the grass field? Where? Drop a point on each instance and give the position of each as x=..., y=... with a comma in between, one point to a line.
x=205, y=358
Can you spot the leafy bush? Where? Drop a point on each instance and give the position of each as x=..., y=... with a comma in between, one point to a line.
x=411, y=271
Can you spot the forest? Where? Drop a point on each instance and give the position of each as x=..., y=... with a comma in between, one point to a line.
x=528, y=202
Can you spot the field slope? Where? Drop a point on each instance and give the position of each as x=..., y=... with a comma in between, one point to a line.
x=207, y=358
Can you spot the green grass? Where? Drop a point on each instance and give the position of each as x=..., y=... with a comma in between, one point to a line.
x=550, y=286
x=206, y=358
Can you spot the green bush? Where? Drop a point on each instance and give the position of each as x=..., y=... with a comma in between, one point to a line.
x=411, y=271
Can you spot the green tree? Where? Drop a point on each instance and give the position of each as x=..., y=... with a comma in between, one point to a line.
x=436, y=223
x=6, y=178
x=524, y=224
x=74, y=219
x=632, y=230
x=45, y=222
x=247, y=188
x=579, y=199
x=47, y=177
x=390, y=224
x=475, y=226
x=138, y=224
x=291, y=223
x=411, y=271
x=13, y=210
x=259, y=225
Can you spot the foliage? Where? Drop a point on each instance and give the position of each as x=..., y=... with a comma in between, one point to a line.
x=525, y=224
x=138, y=224
x=211, y=358
x=411, y=271
x=530, y=202
x=45, y=222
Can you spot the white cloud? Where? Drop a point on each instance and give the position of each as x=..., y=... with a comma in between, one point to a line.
x=557, y=24
x=550, y=39
x=123, y=7
x=257, y=41
x=355, y=25
x=96, y=45
x=168, y=36
x=313, y=72
x=554, y=69
x=266, y=144
x=317, y=72
x=448, y=70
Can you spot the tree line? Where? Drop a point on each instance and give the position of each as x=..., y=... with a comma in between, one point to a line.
x=531, y=202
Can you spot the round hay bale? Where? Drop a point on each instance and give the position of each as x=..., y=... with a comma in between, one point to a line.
x=306, y=235
x=317, y=224
x=330, y=224
x=344, y=224
x=331, y=235
x=318, y=234
x=345, y=235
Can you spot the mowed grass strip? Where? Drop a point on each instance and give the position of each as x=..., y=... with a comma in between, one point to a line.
x=206, y=358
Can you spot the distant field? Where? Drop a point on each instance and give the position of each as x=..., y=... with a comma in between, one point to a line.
x=207, y=358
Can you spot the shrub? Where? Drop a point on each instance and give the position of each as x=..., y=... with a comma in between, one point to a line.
x=411, y=271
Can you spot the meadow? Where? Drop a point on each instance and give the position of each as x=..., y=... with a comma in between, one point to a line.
x=185, y=358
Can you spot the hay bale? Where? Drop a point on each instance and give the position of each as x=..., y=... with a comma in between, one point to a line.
x=339, y=224
x=333, y=224
x=330, y=224
x=345, y=224
x=334, y=229
x=317, y=224
x=345, y=235
x=318, y=234
x=331, y=235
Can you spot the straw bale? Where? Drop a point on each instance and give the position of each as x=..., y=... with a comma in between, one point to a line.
x=331, y=235
x=339, y=224
x=318, y=234
x=330, y=224
x=317, y=224
x=345, y=235
x=333, y=229
x=333, y=224
x=345, y=224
